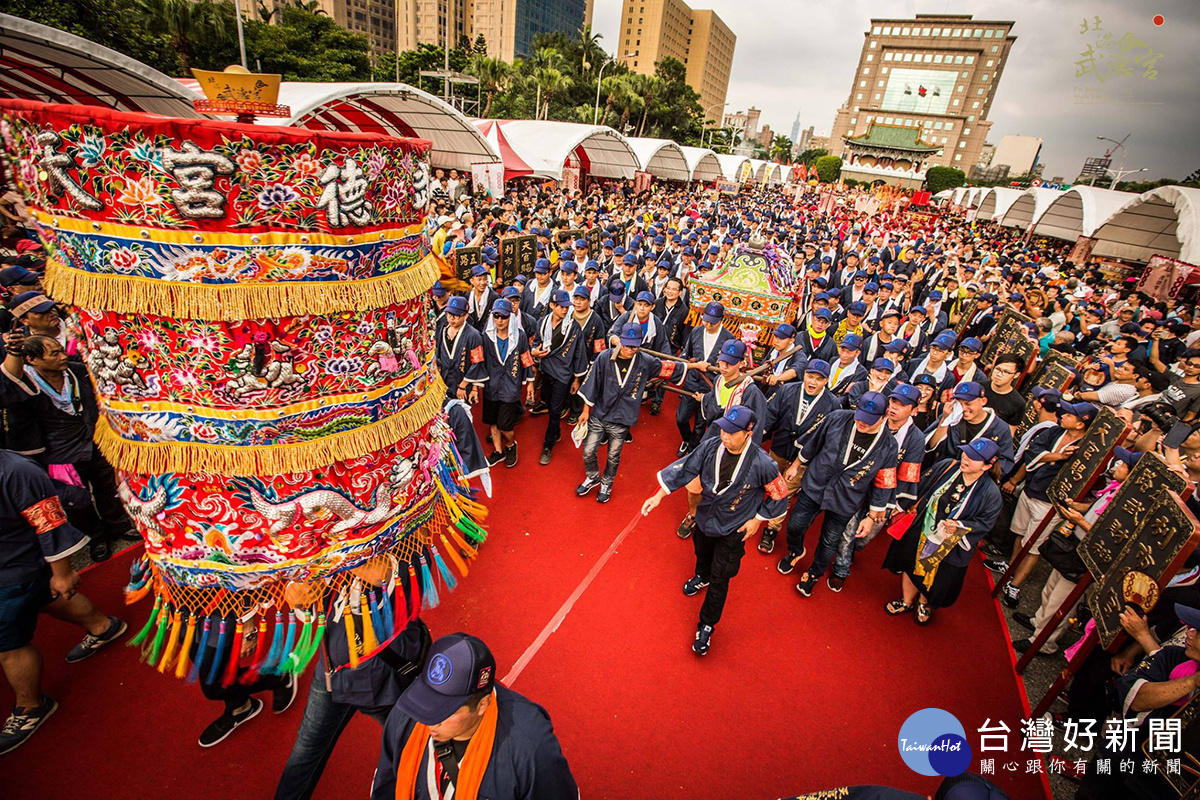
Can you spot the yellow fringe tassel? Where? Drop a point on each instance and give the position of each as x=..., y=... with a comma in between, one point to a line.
x=136, y=295
x=453, y=555
x=155, y=458
x=172, y=642
x=181, y=666
x=351, y=638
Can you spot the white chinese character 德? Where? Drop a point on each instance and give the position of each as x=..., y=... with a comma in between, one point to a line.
x=345, y=196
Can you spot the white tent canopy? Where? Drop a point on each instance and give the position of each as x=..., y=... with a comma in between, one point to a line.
x=731, y=166
x=997, y=202
x=1163, y=221
x=42, y=63
x=1079, y=211
x=395, y=109
x=775, y=175
x=703, y=164
x=975, y=196
x=760, y=169
x=545, y=145
x=1029, y=207
x=957, y=199
x=662, y=158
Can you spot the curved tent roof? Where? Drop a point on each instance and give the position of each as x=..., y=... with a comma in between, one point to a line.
x=760, y=169
x=975, y=196
x=997, y=202
x=959, y=193
x=775, y=174
x=396, y=109
x=540, y=148
x=1079, y=211
x=1029, y=207
x=703, y=164
x=1165, y=221
x=731, y=166
x=662, y=158
x=38, y=62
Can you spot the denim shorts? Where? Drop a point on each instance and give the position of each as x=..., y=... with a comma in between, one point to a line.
x=20, y=605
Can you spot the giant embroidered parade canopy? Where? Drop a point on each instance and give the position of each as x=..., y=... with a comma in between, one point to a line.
x=251, y=306
x=757, y=284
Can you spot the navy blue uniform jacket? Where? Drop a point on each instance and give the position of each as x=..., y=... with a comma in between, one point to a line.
x=674, y=321
x=569, y=360
x=462, y=361
x=757, y=490
x=693, y=350
x=840, y=383
x=840, y=487
x=996, y=429
x=504, y=377
x=527, y=762
x=752, y=398
x=786, y=424
x=653, y=337
x=977, y=511
x=619, y=401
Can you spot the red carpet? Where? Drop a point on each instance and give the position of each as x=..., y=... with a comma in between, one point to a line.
x=797, y=694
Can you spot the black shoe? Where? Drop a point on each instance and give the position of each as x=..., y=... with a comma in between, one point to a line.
x=1023, y=619
x=495, y=457
x=588, y=484
x=992, y=551
x=563, y=412
x=99, y=550
x=281, y=698
x=686, y=527
x=788, y=562
x=703, y=639
x=605, y=493
x=540, y=408
x=1011, y=595
x=629, y=437
x=545, y=458
x=806, y=584
x=655, y=407
x=91, y=643
x=1021, y=645
x=573, y=419
x=225, y=724
x=996, y=565
x=767, y=545
x=510, y=455
x=693, y=586
x=21, y=724
x=683, y=450
x=836, y=582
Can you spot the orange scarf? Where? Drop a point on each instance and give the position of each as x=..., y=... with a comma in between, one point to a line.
x=470, y=772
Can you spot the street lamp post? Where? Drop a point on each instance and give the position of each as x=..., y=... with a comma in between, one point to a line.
x=599, y=78
x=1121, y=145
x=710, y=108
x=1122, y=173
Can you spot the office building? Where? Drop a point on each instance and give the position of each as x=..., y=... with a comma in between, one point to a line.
x=921, y=94
x=1018, y=153
x=652, y=30
x=374, y=18
x=744, y=123
x=795, y=137
x=508, y=26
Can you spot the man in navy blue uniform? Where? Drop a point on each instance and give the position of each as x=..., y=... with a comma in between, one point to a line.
x=792, y=412
x=480, y=299
x=878, y=379
x=537, y=295
x=704, y=343
x=459, y=350
x=456, y=731
x=846, y=462
x=614, y=303
x=612, y=394
x=817, y=336
x=963, y=421
x=36, y=543
x=509, y=365
x=846, y=370
x=783, y=341
x=740, y=488
x=592, y=328
x=642, y=315
x=561, y=352
x=936, y=362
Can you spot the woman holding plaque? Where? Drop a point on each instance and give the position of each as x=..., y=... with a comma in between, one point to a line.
x=959, y=503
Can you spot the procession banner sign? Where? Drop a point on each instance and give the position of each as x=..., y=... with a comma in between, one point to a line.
x=967, y=312
x=465, y=258
x=1009, y=337
x=595, y=236
x=1078, y=472
x=515, y=251
x=1051, y=375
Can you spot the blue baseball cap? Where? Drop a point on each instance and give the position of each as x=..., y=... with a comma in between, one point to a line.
x=478, y=269
x=503, y=307
x=645, y=297
x=818, y=366
x=907, y=394
x=945, y=340
x=562, y=298
x=858, y=308
x=582, y=291
x=569, y=266
x=884, y=364
x=922, y=310
x=509, y=292
x=785, y=330
x=17, y=276
x=737, y=419
x=458, y=666
x=925, y=379
x=852, y=341
x=968, y=390
x=871, y=287
x=896, y=346
x=631, y=335
x=630, y=259
x=581, y=244
x=713, y=312
x=542, y=265
x=521, y=279
x=438, y=290
x=973, y=344
x=891, y=312
x=980, y=450
x=1085, y=412
x=733, y=351
x=936, y=294
x=1128, y=456
x=871, y=408
x=592, y=264
x=823, y=313
x=490, y=258
x=457, y=306
x=617, y=288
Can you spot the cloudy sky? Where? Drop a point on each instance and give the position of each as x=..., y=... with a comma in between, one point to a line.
x=800, y=56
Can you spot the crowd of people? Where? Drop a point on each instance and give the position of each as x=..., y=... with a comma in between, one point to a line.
x=872, y=407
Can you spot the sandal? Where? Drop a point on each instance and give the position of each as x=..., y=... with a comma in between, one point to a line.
x=924, y=614
x=687, y=526
x=897, y=607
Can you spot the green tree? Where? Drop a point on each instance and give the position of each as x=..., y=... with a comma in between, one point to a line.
x=810, y=156
x=480, y=46
x=203, y=34
x=781, y=149
x=304, y=46
x=938, y=179
x=591, y=55
x=829, y=168
x=493, y=75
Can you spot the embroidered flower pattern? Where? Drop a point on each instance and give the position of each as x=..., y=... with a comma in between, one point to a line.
x=122, y=259
x=140, y=192
x=276, y=195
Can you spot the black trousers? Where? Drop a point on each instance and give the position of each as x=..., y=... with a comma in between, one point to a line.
x=689, y=422
x=554, y=395
x=718, y=559
x=97, y=474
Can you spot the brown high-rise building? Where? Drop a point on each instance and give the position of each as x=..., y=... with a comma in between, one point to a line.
x=375, y=18
x=652, y=30
x=922, y=92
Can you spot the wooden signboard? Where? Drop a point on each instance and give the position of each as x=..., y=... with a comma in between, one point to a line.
x=595, y=238
x=1148, y=482
x=1053, y=376
x=1009, y=337
x=1165, y=536
x=968, y=311
x=1064, y=363
x=518, y=254
x=1076, y=475
x=464, y=259
x=568, y=238
x=1186, y=779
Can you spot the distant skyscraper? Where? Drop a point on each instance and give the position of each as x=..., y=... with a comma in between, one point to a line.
x=795, y=137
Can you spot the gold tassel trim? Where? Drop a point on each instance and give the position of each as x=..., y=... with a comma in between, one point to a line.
x=137, y=295
x=156, y=458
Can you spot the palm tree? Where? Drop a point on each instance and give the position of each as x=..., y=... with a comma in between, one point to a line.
x=617, y=91
x=186, y=22
x=589, y=47
x=311, y=6
x=551, y=82
x=493, y=75
x=781, y=149
x=544, y=58
x=647, y=87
